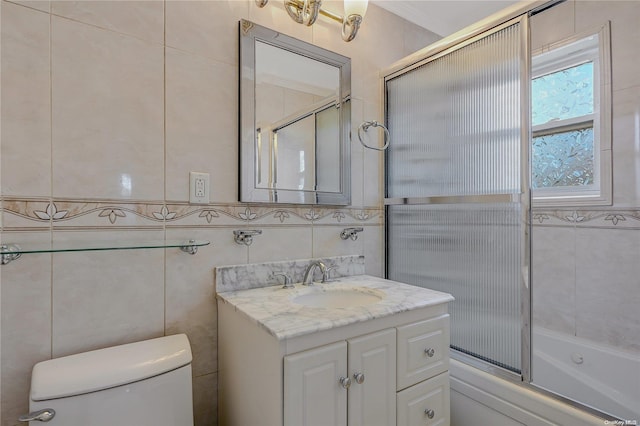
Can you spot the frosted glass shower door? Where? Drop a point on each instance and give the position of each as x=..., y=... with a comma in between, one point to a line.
x=457, y=190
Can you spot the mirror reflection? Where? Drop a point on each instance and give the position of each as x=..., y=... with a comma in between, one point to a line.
x=294, y=129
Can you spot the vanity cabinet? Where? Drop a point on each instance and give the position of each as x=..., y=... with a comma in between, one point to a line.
x=304, y=380
x=353, y=379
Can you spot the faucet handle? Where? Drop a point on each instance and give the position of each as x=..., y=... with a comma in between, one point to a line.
x=288, y=283
x=326, y=273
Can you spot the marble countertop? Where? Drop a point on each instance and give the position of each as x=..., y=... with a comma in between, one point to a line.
x=272, y=307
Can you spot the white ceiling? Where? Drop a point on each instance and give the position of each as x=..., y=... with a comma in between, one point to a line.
x=443, y=17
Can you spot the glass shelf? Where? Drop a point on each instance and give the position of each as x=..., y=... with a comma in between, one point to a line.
x=12, y=251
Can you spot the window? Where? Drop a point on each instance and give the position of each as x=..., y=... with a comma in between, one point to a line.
x=571, y=148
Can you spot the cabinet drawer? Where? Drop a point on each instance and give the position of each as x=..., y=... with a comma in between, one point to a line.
x=426, y=403
x=423, y=350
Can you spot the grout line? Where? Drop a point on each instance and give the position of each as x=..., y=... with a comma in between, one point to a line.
x=111, y=30
x=51, y=270
x=164, y=169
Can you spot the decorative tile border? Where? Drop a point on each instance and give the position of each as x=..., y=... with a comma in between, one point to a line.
x=25, y=213
x=60, y=213
x=610, y=218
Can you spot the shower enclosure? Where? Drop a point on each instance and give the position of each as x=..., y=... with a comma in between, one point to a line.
x=457, y=190
x=459, y=214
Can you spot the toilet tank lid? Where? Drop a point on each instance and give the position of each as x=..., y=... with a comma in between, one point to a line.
x=106, y=368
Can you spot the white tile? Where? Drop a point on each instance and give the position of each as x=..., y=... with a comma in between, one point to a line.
x=26, y=112
x=625, y=35
x=607, y=293
x=143, y=19
x=281, y=243
x=373, y=159
x=107, y=298
x=626, y=146
x=41, y=5
x=190, y=294
x=206, y=28
x=553, y=278
x=327, y=242
x=365, y=80
x=26, y=322
x=274, y=16
x=552, y=25
x=373, y=241
x=357, y=154
x=201, y=127
x=107, y=114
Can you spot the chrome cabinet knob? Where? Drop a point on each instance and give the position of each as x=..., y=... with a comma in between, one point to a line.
x=359, y=378
x=430, y=413
x=345, y=382
x=429, y=352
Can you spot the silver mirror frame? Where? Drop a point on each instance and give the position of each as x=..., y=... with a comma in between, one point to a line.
x=249, y=33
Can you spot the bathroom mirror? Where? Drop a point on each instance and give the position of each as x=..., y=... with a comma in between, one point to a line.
x=295, y=118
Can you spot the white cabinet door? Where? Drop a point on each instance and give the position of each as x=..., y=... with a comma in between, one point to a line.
x=313, y=394
x=373, y=357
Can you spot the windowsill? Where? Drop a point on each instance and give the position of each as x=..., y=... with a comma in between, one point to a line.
x=575, y=201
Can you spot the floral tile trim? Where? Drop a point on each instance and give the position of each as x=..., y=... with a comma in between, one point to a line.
x=107, y=213
x=589, y=218
x=113, y=213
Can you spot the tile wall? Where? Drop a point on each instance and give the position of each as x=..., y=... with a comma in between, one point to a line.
x=585, y=261
x=106, y=107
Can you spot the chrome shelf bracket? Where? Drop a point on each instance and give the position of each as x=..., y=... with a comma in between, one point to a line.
x=191, y=248
x=8, y=257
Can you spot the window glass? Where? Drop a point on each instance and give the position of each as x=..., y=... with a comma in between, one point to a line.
x=563, y=159
x=562, y=95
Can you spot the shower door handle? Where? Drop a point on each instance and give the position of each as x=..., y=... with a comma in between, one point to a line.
x=38, y=416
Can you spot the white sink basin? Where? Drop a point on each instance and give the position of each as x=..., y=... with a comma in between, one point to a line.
x=327, y=297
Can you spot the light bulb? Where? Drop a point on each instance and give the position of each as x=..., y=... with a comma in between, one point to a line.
x=355, y=7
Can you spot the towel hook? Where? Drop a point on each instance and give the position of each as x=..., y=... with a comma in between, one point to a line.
x=365, y=126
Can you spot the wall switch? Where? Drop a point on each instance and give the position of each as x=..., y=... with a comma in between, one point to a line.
x=198, y=188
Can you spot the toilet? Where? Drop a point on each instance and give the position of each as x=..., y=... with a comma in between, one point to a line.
x=139, y=384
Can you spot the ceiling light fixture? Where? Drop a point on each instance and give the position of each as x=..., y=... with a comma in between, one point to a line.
x=306, y=12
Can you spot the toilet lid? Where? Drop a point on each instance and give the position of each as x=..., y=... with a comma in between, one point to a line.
x=106, y=368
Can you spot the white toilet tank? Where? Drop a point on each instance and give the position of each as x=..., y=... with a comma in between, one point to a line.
x=139, y=384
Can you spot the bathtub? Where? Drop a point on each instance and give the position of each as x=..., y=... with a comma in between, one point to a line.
x=593, y=374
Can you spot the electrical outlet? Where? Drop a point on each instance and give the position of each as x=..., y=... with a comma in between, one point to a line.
x=198, y=188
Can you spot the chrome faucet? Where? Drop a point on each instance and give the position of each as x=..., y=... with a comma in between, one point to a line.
x=308, y=274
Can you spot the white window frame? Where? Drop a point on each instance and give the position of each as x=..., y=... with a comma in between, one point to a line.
x=589, y=46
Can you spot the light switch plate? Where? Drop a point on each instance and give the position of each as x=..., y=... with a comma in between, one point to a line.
x=198, y=188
